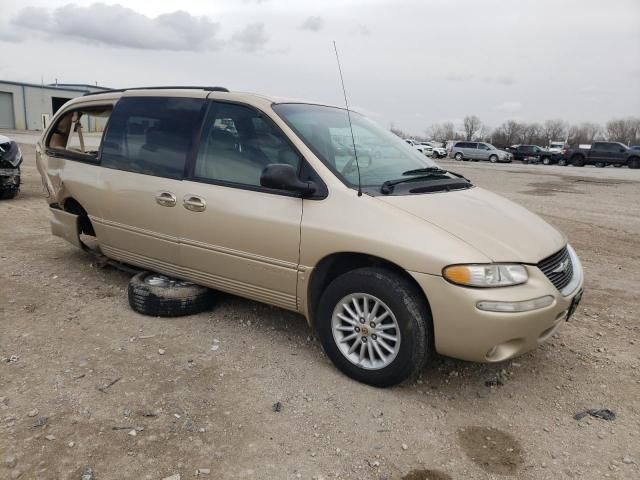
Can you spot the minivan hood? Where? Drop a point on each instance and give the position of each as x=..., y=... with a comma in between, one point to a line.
x=499, y=228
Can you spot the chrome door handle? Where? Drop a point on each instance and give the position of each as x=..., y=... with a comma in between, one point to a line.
x=166, y=199
x=194, y=203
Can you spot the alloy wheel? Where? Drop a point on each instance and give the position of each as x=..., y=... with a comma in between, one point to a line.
x=366, y=331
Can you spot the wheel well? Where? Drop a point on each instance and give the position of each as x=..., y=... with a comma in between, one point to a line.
x=71, y=205
x=332, y=266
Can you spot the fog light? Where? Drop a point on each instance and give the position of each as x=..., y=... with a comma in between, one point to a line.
x=523, y=306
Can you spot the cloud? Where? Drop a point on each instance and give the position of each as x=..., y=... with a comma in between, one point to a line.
x=509, y=107
x=313, y=24
x=120, y=26
x=32, y=17
x=362, y=30
x=500, y=79
x=458, y=77
x=251, y=38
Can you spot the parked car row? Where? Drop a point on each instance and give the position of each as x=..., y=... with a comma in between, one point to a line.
x=599, y=154
x=430, y=149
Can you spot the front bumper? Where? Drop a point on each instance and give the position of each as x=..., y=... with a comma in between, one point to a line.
x=463, y=331
x=9, y=178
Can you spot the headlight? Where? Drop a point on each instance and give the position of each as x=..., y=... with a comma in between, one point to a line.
x=497, y=275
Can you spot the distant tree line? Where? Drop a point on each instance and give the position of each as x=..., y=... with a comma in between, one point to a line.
x=511, y=132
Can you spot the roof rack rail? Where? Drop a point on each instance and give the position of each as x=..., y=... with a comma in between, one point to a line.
x=170, y=87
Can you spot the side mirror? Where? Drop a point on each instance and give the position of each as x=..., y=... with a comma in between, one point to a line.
x=283, y=176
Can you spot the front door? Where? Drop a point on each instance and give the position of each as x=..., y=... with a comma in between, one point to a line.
x=598, y=152
x=236, y=235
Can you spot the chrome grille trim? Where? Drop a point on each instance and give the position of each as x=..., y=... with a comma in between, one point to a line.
x=562, y=278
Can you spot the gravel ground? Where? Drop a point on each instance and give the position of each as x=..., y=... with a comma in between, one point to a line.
x=86, y=382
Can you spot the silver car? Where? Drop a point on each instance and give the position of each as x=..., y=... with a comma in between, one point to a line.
x=479, y=151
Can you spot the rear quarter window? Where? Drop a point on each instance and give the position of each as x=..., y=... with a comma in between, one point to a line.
x=79, y=132
x=152, y=135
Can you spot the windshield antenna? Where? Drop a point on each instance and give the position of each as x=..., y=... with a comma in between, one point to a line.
x=353, y=138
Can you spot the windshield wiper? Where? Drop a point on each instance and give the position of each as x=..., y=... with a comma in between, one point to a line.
x=417, y=174
x=418, y=171
x=387, y=186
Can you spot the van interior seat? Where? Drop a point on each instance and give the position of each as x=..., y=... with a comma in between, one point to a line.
x=221, y=160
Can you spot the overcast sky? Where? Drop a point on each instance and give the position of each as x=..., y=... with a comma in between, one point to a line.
x=411, y=63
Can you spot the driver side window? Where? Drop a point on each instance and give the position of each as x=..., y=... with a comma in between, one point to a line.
x=237, y=143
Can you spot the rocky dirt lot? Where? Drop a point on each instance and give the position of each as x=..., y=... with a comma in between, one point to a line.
x=89, y=387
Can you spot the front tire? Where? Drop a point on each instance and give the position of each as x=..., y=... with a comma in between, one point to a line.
x=375, y=326
x=493, y=158
x=562, y=162
x=8, y=194
x=546, y=161
x=577, y=161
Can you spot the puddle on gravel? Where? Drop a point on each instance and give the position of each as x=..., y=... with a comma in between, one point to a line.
x=569, y=184
x=424, y=474
x=491, y=449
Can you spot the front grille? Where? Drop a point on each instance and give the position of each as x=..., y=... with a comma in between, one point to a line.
x=560, y=279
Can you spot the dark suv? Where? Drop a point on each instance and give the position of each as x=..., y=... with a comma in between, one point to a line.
x=602, y=154
x=522, y=152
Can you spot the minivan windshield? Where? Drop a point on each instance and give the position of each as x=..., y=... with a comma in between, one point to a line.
x=382, y=156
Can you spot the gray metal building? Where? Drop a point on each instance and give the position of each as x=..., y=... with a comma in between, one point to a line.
x=28, y=106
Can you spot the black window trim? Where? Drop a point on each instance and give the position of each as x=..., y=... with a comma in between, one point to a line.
x=304, y=167
x=76, y=156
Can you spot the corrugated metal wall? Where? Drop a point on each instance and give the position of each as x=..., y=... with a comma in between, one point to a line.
x=7, y=117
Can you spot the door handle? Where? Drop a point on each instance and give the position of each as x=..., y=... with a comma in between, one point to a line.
x=194, y=203
x=166, y=199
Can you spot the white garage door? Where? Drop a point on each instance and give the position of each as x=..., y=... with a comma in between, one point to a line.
x=6, y=110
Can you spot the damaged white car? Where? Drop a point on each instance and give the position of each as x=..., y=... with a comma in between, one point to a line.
x=10, y=160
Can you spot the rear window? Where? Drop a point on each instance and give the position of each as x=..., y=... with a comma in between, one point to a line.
x=152, y=135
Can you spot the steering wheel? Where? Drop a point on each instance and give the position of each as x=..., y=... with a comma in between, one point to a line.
x=350, y=166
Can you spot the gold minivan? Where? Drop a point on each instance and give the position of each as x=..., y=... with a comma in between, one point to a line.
x=389, y=257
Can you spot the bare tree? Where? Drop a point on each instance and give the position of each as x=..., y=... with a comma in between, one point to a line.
x=625, y=130
x=435, y=132
x=472, y=125
x=397, y=131
x=584, y=133
x=441, y=132
x=554, y=130
x=449, y=131
x=508, y=133
x=485, y=133
x=530, y=133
